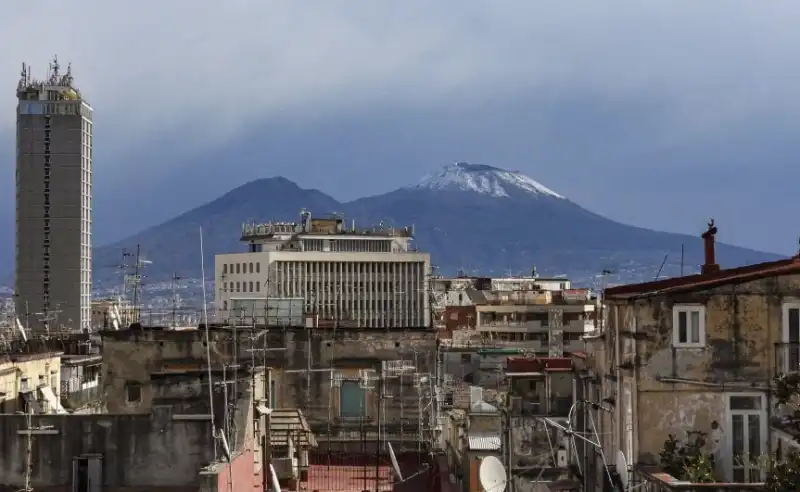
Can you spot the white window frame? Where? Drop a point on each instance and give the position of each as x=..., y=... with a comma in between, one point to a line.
x=785, y=308
x=688, y=308
x=763, y=429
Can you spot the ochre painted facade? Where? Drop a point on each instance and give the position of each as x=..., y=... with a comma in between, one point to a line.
x=26, y=372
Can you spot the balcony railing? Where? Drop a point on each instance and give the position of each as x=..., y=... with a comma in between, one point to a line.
x=546, y=407
x=787, y=357
x=656, y=480
x=81, y=398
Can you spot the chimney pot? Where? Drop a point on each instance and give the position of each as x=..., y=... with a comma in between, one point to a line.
x=709, y=242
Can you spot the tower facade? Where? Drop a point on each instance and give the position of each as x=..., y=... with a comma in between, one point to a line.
x=53, y=267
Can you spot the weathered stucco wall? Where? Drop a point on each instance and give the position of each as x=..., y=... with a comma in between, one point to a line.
x=676, y=390
x=144, y=356
x=138, y=450
x=676, y=413
x=347, y=351
x=134, y=356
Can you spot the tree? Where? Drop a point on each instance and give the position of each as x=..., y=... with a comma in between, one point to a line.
x=784, y=475
x=688, y=460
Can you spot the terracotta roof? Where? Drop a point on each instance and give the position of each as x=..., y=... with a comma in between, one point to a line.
x=705, y=281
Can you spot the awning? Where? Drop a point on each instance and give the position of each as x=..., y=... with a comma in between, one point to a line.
x=52, y=401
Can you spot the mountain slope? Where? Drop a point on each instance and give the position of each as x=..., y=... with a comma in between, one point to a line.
x=478, y=233
x=473, y=217
x=174, y=246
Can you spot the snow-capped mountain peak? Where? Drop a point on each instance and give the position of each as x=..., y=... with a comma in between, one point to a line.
x=483, y=179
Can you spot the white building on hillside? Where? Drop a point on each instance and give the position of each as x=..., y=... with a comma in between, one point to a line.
x=351, y=277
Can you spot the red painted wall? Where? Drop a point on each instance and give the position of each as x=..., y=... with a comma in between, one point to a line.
x=239, y=476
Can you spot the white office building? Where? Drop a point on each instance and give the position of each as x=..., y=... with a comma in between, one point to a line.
x=346, y=276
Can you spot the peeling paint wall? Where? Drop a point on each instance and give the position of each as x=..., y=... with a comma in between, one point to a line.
x=674, y=389
x=677, y=413
x=136, y=355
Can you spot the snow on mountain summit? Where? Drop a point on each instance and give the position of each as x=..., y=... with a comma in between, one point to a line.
x=483, y=179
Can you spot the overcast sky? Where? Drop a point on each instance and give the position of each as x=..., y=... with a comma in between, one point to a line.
x=658, y=113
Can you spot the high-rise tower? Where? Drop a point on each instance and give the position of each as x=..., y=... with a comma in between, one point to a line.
x=54, y=202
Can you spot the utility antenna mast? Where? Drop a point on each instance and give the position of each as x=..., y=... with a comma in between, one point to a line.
x=175, y=279
x=29, y=432
x=136, y=281
x=48, y=318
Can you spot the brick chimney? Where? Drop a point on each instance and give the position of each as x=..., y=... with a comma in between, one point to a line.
x=709, y=243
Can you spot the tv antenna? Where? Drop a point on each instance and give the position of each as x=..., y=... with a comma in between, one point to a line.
x=175, y=300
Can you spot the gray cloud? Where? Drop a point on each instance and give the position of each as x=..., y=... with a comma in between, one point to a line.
x=580, y=94
x=217, y=67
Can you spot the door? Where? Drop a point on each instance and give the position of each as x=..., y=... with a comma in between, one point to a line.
x=748, y=433
x=80, y=475
x=351, y=400
x=87, y=474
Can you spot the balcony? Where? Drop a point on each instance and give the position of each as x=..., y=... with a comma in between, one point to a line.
x=787, y=357
x=75, y=400
x=556, y=406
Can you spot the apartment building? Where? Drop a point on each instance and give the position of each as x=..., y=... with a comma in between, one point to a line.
x=695, y=354
x=550, y=322
x=30, y=382
x=53, y=268
x=368, y=277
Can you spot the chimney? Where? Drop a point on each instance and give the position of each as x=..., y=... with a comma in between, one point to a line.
x=710, y=264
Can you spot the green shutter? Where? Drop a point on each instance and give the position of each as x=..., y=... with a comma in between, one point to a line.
x=352, y=400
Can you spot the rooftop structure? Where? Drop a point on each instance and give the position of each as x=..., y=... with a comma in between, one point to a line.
x=346, y=276
x=54, y=202
x=327, y=226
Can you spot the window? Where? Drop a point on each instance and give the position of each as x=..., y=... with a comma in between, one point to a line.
x=791, y=337
x=237, y=268
x=748, y=431
x=250, y=286
x=689, y=326
x=258, y=267
x=42, y=381
x=258, y=286
x=352, y=400
x=250, y=268
x=133, y=392
x=224, y=268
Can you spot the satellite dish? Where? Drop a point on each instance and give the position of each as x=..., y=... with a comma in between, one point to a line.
x=395, y=465
x=622, y=469
x=492, y=475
